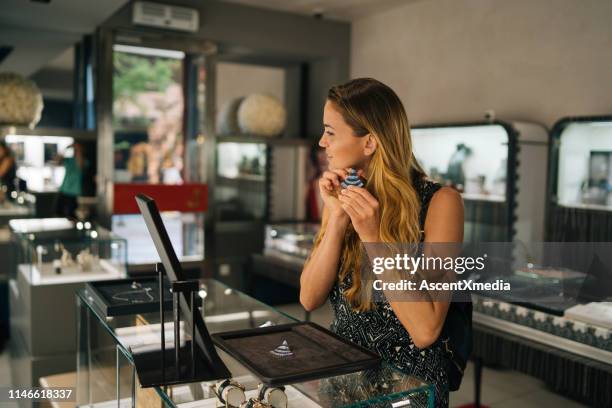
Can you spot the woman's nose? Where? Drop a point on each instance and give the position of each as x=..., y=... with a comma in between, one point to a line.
x=323, y=141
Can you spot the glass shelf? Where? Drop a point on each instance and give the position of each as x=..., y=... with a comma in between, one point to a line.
x=58, y=251
x=105, y=366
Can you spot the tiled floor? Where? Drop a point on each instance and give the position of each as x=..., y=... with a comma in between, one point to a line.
x=500, y=388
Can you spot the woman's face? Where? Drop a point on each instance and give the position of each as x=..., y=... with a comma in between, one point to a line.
x=343, y=148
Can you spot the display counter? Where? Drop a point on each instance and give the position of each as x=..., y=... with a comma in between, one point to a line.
x=106, y=372
x=573, y=357
x=54, y=259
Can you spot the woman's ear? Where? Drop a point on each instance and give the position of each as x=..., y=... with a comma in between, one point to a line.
x=371, y=145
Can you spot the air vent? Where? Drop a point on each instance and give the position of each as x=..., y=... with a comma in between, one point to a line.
x=153, y=10
x=165, y=16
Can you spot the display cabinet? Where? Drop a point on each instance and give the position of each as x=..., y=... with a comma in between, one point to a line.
x=500, y=170
x=292, y=239
x=106, y=374
x=580, y=181
x=545, y=346
x=257, y=180
x=55, y=257
x=12, y=205
x=186, y=230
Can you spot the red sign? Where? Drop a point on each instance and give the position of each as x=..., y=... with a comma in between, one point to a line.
x=176, y=197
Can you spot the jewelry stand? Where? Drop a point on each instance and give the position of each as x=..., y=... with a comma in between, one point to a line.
x=177, y=364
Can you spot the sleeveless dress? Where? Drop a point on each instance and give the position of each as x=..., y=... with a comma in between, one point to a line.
x=381, y=331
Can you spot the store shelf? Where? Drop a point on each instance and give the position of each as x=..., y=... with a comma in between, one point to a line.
x=276, y=141
x=241, y=179
x=483, y=197
x=596, y=207
x=77, y=134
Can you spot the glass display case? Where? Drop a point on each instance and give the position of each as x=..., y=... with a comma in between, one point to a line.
x=489, y=163
x=16, y=205
x=55, y=257
x=290, y=239
x=580, y=186
x=257, y=180
x=240, y=190
x=186, y=231
x=58, y=250
x=106, y=374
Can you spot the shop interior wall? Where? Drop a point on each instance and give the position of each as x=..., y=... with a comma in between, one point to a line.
x=276, y=38
x=451, y=60
x=239, y=80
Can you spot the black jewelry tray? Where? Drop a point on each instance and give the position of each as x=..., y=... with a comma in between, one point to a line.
x=102, y=293
x=318, y=352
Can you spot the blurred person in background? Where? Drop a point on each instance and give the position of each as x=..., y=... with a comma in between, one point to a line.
x=8, y=168
x=318, y=165
x=72, y=185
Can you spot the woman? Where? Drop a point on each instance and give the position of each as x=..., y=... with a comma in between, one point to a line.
x=8, y=168
x=72, y=185
x=366, y=128
x=314, y=202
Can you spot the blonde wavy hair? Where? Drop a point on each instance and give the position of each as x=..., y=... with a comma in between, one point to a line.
x=370, y=107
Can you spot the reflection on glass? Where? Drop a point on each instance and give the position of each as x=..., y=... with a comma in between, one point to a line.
x=186, y=232
x=472, y=159
x=240, y=192
x=585, y=165
x=148, y=115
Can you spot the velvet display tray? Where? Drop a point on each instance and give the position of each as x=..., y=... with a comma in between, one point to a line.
x=317, y=352
x=118, y=297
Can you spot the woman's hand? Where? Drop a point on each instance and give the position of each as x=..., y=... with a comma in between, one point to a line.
x=329, y=187
x=363, y=209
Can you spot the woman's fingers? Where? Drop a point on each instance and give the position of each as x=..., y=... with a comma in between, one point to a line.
x=365, y=194
x=352, y=213
x=332, y=176
x=356, y=202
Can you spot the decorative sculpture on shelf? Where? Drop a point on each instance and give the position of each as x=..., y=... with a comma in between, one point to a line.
x=262, y=115
x=66, y=257
x=21, y=102
x=86, y=260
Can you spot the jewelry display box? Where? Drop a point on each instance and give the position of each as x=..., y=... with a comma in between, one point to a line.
x=59, y=251
x=294, y=352
x=128, y=296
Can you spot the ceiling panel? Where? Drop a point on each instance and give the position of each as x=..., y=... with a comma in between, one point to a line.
x=346, y=10
x=39, y=32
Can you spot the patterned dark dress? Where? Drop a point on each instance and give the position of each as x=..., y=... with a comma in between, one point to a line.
x=381, y=331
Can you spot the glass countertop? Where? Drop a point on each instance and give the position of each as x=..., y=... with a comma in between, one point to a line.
x=227, y=309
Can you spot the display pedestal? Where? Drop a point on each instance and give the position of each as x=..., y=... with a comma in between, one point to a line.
x=42, y=326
